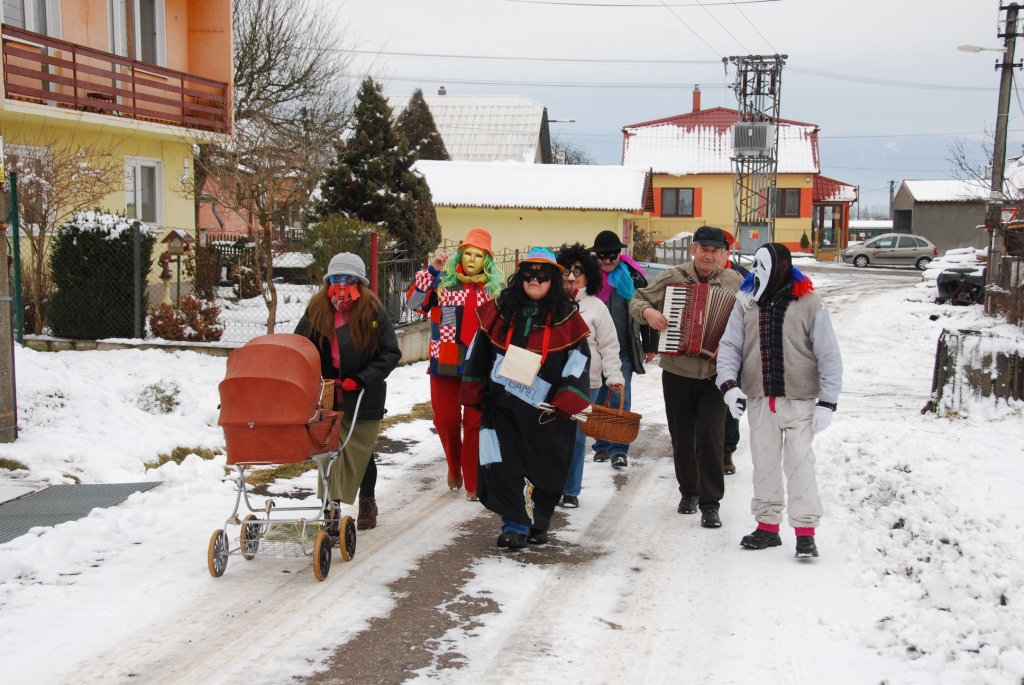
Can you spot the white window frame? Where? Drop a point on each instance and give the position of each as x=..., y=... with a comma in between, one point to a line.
x=134, y=163
x=53, y=27
x=117, y=32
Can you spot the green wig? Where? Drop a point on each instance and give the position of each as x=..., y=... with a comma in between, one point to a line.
x=495, y=278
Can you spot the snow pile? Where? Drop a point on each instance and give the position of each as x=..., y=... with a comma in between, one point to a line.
x=927, y=504
x=960, y=257
x=109, y=226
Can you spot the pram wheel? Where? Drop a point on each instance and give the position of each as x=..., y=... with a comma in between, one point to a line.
x=348, y=542
x=217, y=554
x=322, y=548
x=249, y=537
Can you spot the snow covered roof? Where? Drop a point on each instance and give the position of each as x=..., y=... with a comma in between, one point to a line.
x=701, y=143
x=292, y=260
x=948, y=190
x=485, y=128
x=830, y=190
x=540, y=186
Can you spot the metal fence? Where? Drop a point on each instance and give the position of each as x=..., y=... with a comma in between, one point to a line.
x=1006, y=290
x=223, y=274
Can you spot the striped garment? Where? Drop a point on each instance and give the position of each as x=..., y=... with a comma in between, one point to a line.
x=770, y=321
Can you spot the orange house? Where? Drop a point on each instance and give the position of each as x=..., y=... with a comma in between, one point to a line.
x=141, y=79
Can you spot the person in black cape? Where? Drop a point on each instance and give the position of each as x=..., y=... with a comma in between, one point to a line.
x=526, y=452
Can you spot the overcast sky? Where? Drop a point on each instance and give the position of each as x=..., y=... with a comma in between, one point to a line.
x=864, y=126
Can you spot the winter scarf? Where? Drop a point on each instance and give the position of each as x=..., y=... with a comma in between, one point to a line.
x=619, y=280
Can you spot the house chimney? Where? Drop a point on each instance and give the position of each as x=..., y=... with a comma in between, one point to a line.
x=696, y=98
x=442, y=91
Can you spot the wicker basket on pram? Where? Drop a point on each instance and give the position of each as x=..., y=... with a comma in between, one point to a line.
x=613, y=425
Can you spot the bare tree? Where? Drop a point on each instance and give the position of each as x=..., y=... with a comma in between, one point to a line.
x=569, y=151
x=291, y=103
x=58, y=176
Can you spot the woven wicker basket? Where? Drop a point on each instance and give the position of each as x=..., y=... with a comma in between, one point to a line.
x=327, y=394
x=613, y=425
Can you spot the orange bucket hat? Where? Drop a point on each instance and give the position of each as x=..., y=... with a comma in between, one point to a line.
x=478, y=237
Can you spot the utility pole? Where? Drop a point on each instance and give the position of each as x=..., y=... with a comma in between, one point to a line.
x=994, y=216
x=892, y=195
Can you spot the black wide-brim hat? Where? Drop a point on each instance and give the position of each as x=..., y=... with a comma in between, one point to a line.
x=608, y=241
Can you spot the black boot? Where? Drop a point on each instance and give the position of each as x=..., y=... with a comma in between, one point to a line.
x=805, y=547
x=512, y=540
x=687, y=505
x=537, y=537
x=761, y=539
x=710, y=519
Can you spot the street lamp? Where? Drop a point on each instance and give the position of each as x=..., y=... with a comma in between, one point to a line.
x=977, y=48
x=994, y=209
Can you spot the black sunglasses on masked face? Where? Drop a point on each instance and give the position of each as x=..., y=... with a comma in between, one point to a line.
x=608, y=256
x=539, y=275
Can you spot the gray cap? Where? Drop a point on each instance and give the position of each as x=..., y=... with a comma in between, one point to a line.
x=346, y=263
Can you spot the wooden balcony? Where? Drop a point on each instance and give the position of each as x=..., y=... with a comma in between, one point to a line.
x=48, y=71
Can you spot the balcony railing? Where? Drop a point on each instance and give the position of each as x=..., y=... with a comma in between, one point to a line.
x=45, y=70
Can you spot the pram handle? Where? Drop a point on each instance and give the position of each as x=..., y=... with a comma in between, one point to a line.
x=352, y=423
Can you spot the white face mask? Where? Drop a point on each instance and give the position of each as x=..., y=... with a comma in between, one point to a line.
x=762, y=270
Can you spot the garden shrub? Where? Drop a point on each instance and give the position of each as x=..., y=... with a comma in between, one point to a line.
x=193, y=320
x=92, y=265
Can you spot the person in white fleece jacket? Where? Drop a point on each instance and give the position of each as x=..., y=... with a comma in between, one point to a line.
x=582, y=279
x=779, y=352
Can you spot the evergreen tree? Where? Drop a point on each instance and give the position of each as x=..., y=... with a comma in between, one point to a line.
x=416, y=123
x=372, y=180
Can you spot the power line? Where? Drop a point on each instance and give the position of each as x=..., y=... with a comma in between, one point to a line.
x=740, y=10
x=568, y=60
x=912, y=135
x=680, y=19
x=636, y=5
x=745, y=49
x=817, y=73
x=869, y=80
x=545, y=84
x=869, y=168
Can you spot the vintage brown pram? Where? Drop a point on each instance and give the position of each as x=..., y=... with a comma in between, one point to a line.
x=272, y=411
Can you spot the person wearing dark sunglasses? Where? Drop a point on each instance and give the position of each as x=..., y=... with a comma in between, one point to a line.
x=582, y=279
x=525, y=451
x=358, y=350
x=621, y=276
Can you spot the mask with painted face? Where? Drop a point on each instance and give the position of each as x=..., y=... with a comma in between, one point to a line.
x=473, y=260
x=343, y=295
x=761, y=268
x=771, y=270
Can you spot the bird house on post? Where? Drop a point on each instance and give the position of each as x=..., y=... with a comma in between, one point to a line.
x=178, y=242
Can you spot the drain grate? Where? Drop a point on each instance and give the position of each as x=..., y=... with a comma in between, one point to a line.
x=60, y=504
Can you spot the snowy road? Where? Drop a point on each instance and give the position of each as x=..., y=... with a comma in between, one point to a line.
x=629, y=591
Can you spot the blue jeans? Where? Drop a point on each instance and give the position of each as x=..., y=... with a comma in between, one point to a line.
x=614, y=448
x=509, y=525
x=575, y=481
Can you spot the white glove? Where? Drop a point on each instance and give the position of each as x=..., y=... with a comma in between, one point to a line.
x=822, y=419
x=736, y=401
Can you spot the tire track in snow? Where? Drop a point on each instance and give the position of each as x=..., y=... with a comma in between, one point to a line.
x=257, y=618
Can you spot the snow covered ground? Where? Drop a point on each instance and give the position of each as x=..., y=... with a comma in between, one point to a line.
x=920, y=578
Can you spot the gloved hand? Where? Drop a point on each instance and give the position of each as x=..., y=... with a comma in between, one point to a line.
x=736, y=401
x=822, y=419
x=349, y=385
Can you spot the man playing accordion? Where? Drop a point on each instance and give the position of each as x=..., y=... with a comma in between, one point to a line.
x=688, y=382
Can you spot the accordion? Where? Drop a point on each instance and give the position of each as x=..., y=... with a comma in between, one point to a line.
x=697, y=314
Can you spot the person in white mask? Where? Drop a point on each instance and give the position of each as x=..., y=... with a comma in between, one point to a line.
x=780, y=355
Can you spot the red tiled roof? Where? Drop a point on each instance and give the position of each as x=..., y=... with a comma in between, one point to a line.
x=720, y=118
x=830, y=190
